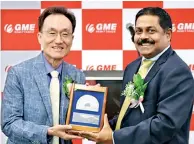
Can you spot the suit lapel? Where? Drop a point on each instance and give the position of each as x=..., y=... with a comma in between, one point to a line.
x=157, y=65
x=40, y=76
x=153, y=70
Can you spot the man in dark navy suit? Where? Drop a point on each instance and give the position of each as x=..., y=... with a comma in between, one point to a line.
x=168, y=99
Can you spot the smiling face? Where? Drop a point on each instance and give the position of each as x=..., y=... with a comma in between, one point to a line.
x=56, y=37
x=150, y=38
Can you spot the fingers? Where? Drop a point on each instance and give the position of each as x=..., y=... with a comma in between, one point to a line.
x=63, y=127
x=98, y=85
x=69, y=136
x=58, y=128
x=87, y=84
x=73, y=132
x=88, y=135
x=106, y=123
x=67, y=127
x=89, y=138
x=66, y=134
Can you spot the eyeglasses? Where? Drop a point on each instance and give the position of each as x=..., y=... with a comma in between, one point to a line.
x=54, y=34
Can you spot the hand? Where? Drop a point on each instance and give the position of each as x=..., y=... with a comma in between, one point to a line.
x=62, y=132
x=88, y=84
x=104, y=136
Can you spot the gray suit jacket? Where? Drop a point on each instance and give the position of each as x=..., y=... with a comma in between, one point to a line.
x=168, y=103
x=26, y=104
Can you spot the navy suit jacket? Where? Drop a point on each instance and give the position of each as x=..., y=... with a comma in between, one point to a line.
x=26, y=105
x=168, y=103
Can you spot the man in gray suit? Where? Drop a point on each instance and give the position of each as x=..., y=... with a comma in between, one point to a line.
x=27, y=115
x=168, y=98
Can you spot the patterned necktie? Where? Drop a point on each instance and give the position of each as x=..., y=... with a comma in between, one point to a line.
x=143, y=72
x=145, y=67
x=54, y=94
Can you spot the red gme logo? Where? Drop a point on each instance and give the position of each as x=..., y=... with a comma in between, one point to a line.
x=101, y=28
x=101, y=67
x=19, y=28
x=183, y=27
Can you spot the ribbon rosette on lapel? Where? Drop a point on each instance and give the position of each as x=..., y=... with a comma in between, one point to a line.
x=67, y=85
x=135, y=90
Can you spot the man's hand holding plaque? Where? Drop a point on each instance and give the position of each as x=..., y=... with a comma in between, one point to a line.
x=86, y=107
x=104, y=136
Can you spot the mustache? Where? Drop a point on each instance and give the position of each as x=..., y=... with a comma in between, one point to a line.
x=142, y=41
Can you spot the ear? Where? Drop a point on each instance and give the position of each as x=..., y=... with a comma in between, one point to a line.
x=131, y=29
x=70, y=44
x=169, y=34
x=39, y=36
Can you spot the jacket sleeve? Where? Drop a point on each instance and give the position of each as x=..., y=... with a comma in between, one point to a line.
x=81, y=78
x=174, y=108
x=13, y=125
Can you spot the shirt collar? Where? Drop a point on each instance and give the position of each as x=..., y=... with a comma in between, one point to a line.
x=49, y=68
